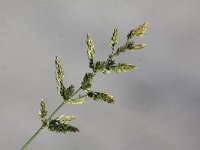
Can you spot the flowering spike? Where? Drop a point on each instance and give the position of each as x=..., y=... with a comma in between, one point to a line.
x=138, y=47
x=67, y=93
x=101, y=96
x=114, y=38
x=59, y=75
x=66, y=119
x=140, y=31
x=43, y=111
x=86, y=84
x=122, y=67
x=90, y=45
x=56, y=125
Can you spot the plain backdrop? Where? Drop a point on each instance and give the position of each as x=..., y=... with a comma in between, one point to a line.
x=157, y=106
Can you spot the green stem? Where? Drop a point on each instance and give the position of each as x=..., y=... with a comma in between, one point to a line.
x=56, y=111
x=40, y=129
x=62, y=105
x=31, y=139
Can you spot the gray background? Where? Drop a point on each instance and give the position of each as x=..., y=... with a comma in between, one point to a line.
x=157, y=106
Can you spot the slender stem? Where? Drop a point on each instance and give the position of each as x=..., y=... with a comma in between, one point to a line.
x=62, y=104
x=31, y=139
x=56, y=111
x=40, y=129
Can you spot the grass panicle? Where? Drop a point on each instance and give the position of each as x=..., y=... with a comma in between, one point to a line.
x=61, y=124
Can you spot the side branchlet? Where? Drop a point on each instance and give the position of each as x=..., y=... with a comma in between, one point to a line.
x=120, y=50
